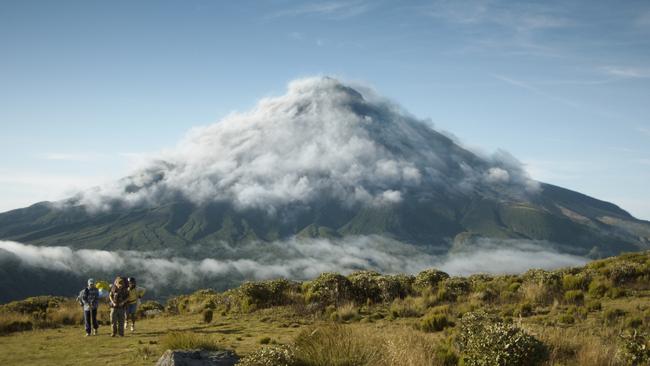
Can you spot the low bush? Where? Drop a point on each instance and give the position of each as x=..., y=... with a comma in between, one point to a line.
x=207, y=316
x=624, y=272
x=594, y=305
x=429, y=279
x=405, y=308
x=484, y=340
x=578, y=281
x=189, y=340
x=12, y=322
x=452, y=288
x=612, y=315
x=329, y=289
x=263, y=294
x=598, y=288
x=270, y=356
x=523, y=310
x=434, y=323
x=634, y=349
x=574, y=297
x=634, y=322
x=566, y=319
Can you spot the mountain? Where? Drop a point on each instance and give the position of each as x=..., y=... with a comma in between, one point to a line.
x=326, y=160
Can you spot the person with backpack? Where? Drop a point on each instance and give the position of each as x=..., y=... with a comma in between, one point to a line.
x=135, y=294
x=117, y=299
x=89, y=299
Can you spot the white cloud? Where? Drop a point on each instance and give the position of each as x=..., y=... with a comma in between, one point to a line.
x=328, y=9
x=321, y=139
x=293, y=259
x=627, y=72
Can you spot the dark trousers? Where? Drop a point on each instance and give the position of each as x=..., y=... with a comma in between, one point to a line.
x=117, y=320
x=90, y=316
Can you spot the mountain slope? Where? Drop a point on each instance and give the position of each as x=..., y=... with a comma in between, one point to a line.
x=325, y=160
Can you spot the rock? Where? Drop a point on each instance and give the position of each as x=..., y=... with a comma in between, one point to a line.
x=197, y=358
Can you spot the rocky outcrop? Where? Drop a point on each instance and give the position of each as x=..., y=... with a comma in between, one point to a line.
x=197, y=358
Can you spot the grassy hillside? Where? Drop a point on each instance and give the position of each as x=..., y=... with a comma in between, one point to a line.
x=598, y=314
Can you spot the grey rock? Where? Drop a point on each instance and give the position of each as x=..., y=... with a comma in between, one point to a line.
x=197, y=358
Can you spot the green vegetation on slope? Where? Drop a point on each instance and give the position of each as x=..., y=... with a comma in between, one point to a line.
x=598, y=314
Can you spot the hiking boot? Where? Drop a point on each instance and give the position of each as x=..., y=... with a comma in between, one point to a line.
x=112, y=334
x=132, y=328
x=87, y=334
x=94, y=332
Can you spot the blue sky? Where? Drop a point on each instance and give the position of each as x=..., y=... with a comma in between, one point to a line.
x=87, y=87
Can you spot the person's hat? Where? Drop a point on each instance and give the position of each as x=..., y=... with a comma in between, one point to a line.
x=91, y=282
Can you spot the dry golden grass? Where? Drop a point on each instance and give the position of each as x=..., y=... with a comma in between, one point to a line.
x=573, y=346
x=536, y=293
x=358, y=344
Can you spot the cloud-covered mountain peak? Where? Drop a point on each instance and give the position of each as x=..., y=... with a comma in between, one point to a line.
x=323, y=139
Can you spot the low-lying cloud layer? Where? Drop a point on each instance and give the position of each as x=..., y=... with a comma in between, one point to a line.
x=321, y=139
x=293, y=259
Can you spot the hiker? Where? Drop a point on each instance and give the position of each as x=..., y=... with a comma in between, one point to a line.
x=133, y=300
x=89, y=299
x=117, y=299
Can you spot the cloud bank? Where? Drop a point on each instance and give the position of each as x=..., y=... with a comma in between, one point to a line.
x=301, y=259
x=321, y=139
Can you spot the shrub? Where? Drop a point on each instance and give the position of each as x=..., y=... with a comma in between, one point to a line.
x=265, y=340
x=451, y=288
x=365, y=286
x=574, y=297
x=634, y=322
x=598, y=288
x=270, y=356
x=188, y=340
x=207, y=316
x=578, y=281
x=396, y=286
x=611, y=315
x=566, y=319
x=624, y=271
x=615, y=292
x=12, y=322
x=429, y=279
x=485, y=340
x=329, y=289
x=550, y=279
x=434, y=323
x=405, y=308
x=264, y=294
x=523, y=310
x=634, y=349
x=577, y=311
x=594, y=305
x=537, y=293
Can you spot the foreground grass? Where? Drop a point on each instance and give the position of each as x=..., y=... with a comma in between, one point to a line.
x=67, y=345
x=573, y=316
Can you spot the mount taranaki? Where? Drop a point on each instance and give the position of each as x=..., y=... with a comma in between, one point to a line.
x=325, y=160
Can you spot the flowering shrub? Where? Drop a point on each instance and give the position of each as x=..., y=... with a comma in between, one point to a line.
x=429, y=279
x=270, y=356
x=635, y=349
x=329, y=289
x=486, y=341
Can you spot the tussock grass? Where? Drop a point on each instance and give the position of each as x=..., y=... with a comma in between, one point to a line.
x=190, y=340
x=343, y=345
